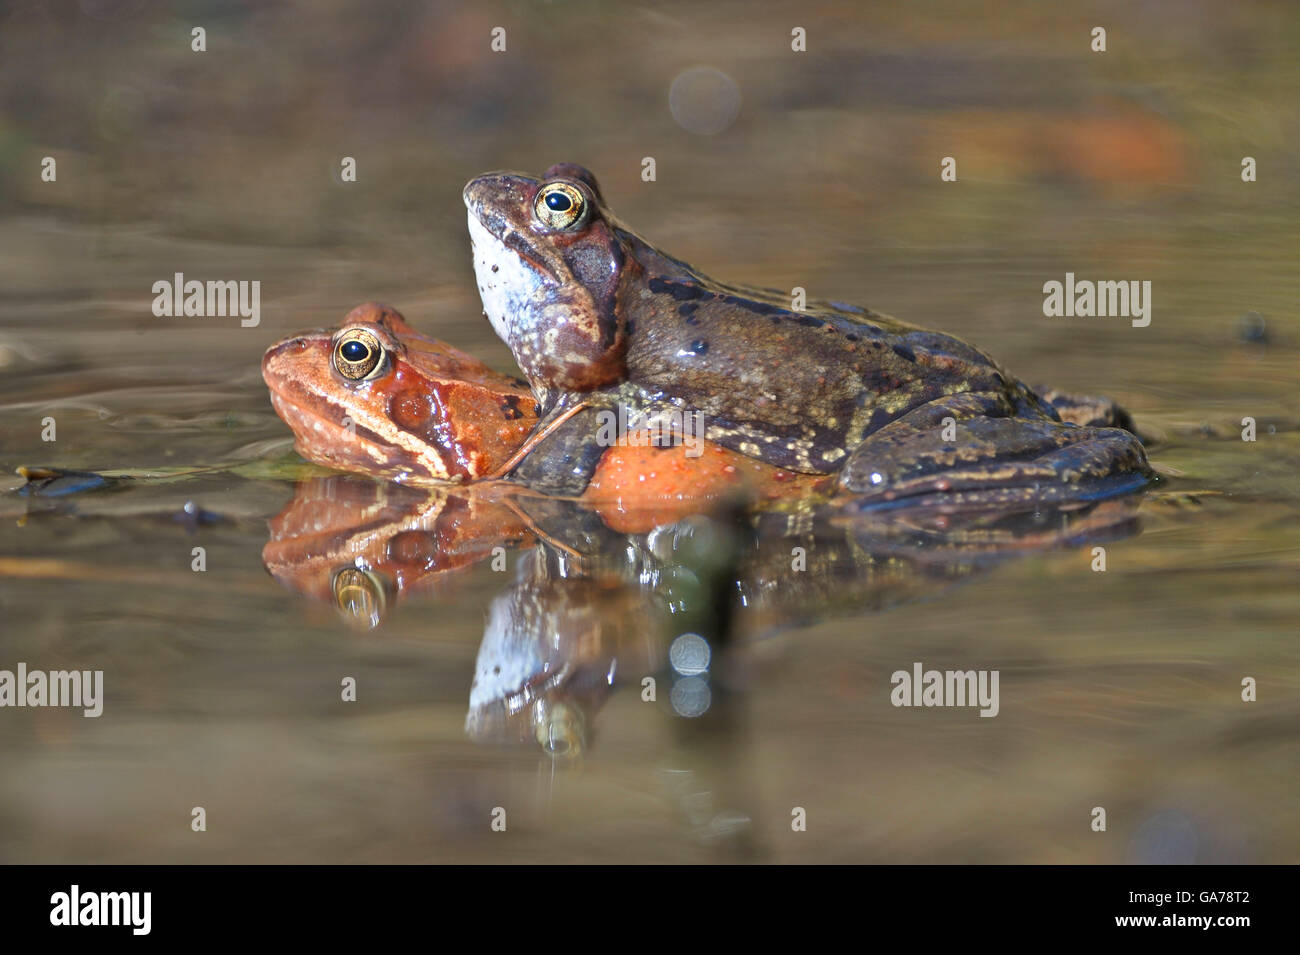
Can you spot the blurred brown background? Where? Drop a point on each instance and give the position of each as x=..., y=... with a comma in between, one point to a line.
x=226, y=163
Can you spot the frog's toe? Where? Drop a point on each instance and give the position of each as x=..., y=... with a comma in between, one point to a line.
x=1089, y=411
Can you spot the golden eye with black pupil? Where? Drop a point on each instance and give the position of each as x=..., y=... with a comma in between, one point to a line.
x=357, y=354
x=359, y=596
x=559, y=205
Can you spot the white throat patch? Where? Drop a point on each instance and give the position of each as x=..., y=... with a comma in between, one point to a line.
x=505, y=283
x=509, y=656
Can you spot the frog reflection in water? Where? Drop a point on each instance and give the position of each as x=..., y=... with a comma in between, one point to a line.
x=596, y=316
x=572, y=620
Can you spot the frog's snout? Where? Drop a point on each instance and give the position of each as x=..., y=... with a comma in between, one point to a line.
x=290, y=345
x=277, y=359
x=500, y=200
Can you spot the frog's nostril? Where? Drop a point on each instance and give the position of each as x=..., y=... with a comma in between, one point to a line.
x=288, y=346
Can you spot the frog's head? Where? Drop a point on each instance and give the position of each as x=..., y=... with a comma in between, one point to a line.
x=374, y=395
x=550, y=261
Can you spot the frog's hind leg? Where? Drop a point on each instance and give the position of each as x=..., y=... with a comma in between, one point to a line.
x=983, y=460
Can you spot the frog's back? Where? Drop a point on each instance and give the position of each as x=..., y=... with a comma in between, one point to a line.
x=797, y=389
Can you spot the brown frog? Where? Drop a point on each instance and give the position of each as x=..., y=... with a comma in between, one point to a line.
x=596, y=317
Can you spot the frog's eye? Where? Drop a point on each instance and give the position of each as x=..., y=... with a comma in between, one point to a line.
x=559, y=729
x=357, y=354
x=560, y=205
x=360, y=597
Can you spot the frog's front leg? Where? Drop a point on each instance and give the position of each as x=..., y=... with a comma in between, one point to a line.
x=975, y=449
x=562, y=452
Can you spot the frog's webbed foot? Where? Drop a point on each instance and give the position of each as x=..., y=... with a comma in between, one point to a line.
x=967, y=451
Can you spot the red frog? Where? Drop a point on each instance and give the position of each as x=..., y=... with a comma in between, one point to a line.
x=375, y=396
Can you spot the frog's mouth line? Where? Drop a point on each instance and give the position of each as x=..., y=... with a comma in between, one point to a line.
x=321, y=437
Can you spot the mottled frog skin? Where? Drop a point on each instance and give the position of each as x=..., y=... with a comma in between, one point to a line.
x=595, y=315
